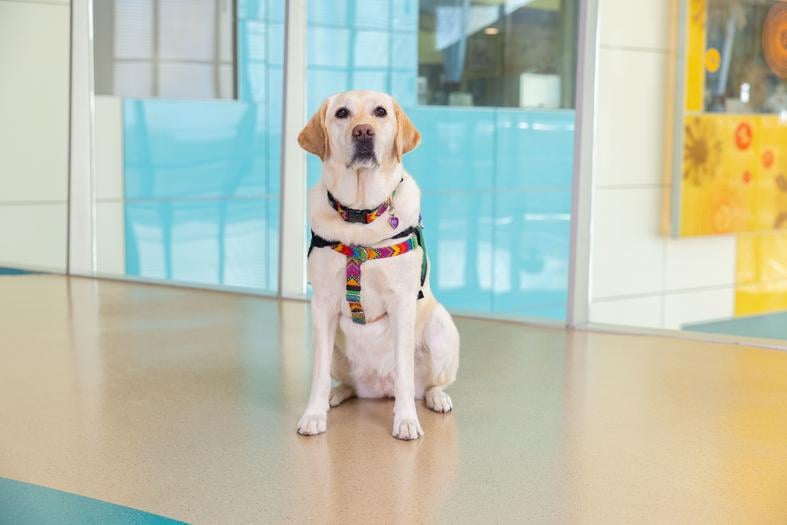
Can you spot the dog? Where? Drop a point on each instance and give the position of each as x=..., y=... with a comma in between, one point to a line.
x=377, y=329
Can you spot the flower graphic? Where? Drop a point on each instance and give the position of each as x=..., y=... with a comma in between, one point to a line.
x=767, y=158
x=743, y=135
x=702, y=150
x=774, y=39
x=726, y=211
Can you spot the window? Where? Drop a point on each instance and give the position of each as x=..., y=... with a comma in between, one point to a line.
x=745, y=65
x=504, y=53
x=164, y=48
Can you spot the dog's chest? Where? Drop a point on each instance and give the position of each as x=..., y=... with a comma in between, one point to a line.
x=383, y=281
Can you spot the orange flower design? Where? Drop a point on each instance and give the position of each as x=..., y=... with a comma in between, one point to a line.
x=767, y=159
x=774, y=39
x=743, y=135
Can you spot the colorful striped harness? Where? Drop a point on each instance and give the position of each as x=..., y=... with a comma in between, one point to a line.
x=357, y=255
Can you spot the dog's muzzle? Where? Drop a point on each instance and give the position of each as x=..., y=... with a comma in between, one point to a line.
x=364, y=151
x=363, y=144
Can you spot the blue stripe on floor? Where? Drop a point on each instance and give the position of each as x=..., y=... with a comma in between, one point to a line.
x=23, y=504
x=13, y=271
x=770, y=326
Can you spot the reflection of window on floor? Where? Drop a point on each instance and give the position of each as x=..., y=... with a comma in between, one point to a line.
x=509, y=53
x=164, y=48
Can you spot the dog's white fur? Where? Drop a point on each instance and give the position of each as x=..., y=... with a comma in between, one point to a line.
x=409, y=348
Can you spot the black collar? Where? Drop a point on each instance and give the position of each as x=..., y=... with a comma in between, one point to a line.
x=362, y=216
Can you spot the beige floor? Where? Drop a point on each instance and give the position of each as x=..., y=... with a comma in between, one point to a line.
x=184, y=403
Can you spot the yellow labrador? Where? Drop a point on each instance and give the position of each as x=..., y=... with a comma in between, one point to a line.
x=377, y=329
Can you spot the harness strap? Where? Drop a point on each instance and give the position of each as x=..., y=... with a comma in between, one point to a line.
x=357, y=255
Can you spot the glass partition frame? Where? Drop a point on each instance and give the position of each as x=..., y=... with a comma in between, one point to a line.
x=79, y=233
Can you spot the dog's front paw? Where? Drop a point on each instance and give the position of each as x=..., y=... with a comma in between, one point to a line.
x=312, y=424
x=407, y=427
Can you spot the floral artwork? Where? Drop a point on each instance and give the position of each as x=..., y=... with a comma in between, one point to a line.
x=702, y=150
x=732, y=166
x=733, y=142
x=731, y=133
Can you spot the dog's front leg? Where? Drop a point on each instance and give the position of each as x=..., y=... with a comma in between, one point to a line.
x=324, y=323
x=402, y=315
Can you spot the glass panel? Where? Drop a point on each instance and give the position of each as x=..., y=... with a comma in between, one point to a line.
x=510, y=53
x=746, y=69
x=495, y=180
x=164, y=48
x=187, y=191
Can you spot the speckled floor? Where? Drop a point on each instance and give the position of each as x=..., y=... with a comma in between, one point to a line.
x=184, y=403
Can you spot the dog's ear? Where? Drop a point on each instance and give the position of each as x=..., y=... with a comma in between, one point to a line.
x=314, y=136
x=407, y=137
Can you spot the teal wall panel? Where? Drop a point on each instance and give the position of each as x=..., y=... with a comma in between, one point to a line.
x=230, y=242
x=27, y=504
x=176, y=149
x=202, y=177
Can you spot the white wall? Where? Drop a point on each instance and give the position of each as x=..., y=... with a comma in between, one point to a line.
x=109, y=200
x=640, y=277
x=34, y=65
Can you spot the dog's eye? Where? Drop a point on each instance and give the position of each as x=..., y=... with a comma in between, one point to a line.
x=379, y=111
x=342, y=113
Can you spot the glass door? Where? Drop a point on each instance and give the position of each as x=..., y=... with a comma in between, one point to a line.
x=491, y=86
x=186, y=141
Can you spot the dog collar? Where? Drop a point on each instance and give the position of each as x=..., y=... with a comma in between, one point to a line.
x=367, y=216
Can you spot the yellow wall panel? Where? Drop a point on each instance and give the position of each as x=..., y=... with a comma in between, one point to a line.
x=761, y=273
x=695, y=55
x=734, y=175
x=760, y=298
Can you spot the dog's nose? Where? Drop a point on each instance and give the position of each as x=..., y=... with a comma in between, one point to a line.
x=363, y=131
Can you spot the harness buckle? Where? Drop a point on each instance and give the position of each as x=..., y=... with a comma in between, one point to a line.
x=360, y=254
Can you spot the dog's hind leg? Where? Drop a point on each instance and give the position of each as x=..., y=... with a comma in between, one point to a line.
x=341, y=393
x=437, y=400
x=441, y=339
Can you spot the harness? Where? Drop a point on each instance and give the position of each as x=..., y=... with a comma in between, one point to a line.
x=357, y=255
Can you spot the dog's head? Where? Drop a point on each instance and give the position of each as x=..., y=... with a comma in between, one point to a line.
x=359, y=129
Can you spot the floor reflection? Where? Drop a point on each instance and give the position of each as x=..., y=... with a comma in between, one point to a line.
x=184, y=403
x=359, y=473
